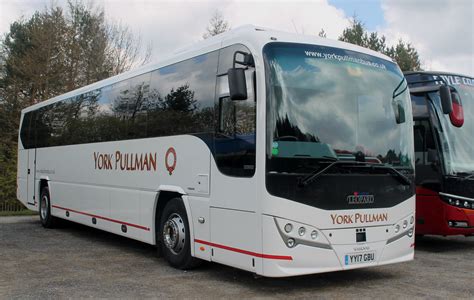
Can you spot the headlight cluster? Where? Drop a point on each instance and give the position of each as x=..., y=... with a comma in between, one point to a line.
x=403, y=224
x=463, y=203
x=291, y=242
x=294, y=234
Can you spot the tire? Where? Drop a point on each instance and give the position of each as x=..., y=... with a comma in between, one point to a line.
x=47, y=220
x=174, y=236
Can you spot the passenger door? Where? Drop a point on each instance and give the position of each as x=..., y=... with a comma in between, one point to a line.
x=30, y=175
x=234, y=218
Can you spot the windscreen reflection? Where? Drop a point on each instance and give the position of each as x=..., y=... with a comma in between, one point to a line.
x=458, y=142
x=345, y=100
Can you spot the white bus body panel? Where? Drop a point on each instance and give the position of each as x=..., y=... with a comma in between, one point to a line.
x=22, y=176
x=86, y=189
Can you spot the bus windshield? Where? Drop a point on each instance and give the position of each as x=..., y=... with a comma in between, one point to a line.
x=458, y=142
x=326, y=104
x=343, y=107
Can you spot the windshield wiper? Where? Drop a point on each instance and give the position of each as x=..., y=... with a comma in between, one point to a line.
x=403, y=179
x=312, y=177
x=465, y=175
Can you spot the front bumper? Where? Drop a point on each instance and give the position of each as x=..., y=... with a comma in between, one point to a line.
x=329, y=251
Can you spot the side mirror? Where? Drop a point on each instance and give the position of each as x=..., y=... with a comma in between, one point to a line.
x=457, y=114
x=400, y=114
x=446, y=101
x=237, y=84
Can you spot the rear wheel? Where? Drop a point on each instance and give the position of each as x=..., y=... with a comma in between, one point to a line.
x=174, y=235
x=47, y=220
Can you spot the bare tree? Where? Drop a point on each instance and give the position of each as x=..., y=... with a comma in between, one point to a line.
x=217, y=25
x=124, y=48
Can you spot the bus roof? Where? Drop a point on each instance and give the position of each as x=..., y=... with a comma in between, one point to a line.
x=254, y=37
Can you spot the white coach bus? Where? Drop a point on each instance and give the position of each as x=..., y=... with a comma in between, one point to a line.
x=276, y=153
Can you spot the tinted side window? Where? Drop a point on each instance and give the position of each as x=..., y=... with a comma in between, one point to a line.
x=25, y=130
x=235, y=138
x=137, y=114
x=181, y=97
x=114, y=118
x=424, y=141
x=44, y=126
x=177, y=99
x=419, y=106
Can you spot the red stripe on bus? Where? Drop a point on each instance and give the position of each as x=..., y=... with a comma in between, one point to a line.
x=103, y=218
x=261, y=255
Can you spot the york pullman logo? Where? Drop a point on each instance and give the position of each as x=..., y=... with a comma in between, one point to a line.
x=360, y=198
x=358, y=218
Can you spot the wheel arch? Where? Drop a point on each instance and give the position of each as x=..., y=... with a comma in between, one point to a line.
x=164, y=195
x=42, y=183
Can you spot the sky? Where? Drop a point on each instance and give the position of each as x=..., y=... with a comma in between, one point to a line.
x=441, y=30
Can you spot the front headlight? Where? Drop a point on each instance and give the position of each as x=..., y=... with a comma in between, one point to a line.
x=454, y=201
x=294, y=234
x=301, y=231
x=290, y=243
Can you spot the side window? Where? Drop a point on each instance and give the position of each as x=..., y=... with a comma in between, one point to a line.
x=236, y=126
x=424, y=142
x=44, y=126
x=137, y=115
x=25, y=135
x=419, y=106
x=119, y=98
x=106, y=125
x=181, y=97
x=84, y=109
x=57, y=119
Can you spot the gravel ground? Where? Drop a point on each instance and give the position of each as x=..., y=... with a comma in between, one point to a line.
x=75, y=261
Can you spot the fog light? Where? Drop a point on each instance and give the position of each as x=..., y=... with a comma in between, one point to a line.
x=412, y=219
x=288, y=228
x=314, y=234
x=290, y=243
x=460, y=224
x=301, y=231
x=450, y=224
x=405, y=224
x=410, y=232
x=397, y=228
x=450, y=201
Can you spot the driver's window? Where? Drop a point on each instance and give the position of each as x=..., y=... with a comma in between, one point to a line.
x=235, y=130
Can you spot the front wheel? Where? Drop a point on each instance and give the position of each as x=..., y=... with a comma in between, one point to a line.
x=47, y=220
x=175, y=238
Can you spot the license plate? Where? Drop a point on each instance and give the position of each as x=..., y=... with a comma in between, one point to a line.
x=359, y=258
